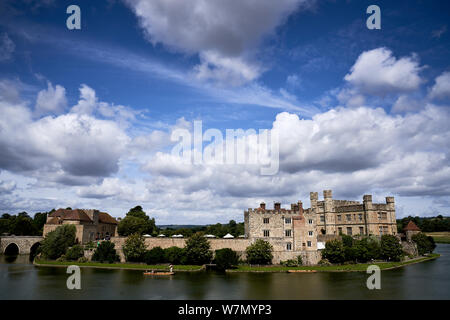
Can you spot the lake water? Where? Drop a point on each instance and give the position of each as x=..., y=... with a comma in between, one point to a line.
x=19, y=279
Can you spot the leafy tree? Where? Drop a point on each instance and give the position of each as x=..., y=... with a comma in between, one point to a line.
x=154, y=256
x=174, y=255
x=391, y=248
x=365, y=250
x=39, y=220
x=105, y=252
x=226, y=258
x=425, y=244
x=74, y=253
x=134, y=248
x=197, y=250
x=22, y=225
x=56, y=242
x=260, y=252
x=136, y=221
x=334, y=251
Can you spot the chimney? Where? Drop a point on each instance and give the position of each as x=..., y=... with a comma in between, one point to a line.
x=300, y=207
x=327, y=194
x=93, y=215
x=389, y=200
x=368, y=198
x=262, y=206
x=277, y=206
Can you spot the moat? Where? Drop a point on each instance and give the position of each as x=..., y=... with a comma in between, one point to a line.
x=19, y=279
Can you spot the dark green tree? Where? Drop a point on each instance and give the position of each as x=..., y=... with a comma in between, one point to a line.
x=390, y=248
x=197, y=250
x=260, y=252
x=154, y=256
x=425, y=244
x=56, y=242
x=74, y=253
x=105, y=252
x=136, y=221
x=226, y=258
x=174, y=255
x=134, y=248
x=334, y=251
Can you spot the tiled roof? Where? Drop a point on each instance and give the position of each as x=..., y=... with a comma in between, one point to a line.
x=103, y=217
x=411, y=226
x=77, y=215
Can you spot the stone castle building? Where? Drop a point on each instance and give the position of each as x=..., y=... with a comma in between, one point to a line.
x=90, y=224
x=334, y=217
x=305, y=231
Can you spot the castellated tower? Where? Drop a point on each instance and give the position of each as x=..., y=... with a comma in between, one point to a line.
x=328, y=208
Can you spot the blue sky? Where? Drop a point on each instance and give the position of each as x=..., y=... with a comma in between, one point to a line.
x=360, y=111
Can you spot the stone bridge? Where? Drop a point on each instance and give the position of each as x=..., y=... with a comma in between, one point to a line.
x=19, y=244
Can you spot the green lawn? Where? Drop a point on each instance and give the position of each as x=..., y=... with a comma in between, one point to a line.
x=344, y=267
x=131, y=266
x=440, y=237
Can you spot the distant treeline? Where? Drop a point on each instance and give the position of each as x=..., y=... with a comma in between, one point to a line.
x=428, y=224
x=218, y=230
x=22, y=224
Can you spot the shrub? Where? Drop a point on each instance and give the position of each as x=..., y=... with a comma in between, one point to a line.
x=334, y=251
x=425, y=244
x=82, y=259
x=197, y=250
x=391, y=248
x=105, y=252
x=292, y=262
x=154, y=256
x=259, y=252
x=134, y=248
x=74, y=253
x=226, y=258
x=174, y=255
x=324, y=262
x=56, y=242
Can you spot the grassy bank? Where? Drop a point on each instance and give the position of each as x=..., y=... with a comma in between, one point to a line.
x=440, y=237
x=127, y=266
x=360, y=267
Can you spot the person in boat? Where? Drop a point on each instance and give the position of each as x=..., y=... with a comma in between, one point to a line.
x=171, y=268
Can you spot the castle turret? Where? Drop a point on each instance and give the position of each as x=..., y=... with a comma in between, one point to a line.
x=313, y=197
x=330, y=223
x=277, y=206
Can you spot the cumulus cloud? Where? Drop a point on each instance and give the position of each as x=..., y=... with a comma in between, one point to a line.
x=51, y=100
x=108, y=188
x=378, y=72
x=220, y=31
x=441, y=87
x=67, y=146
x=7, y=47
x=350, y=150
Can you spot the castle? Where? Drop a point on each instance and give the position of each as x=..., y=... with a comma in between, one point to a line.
x=90, y=224
x=292, y=232
x=306, y=230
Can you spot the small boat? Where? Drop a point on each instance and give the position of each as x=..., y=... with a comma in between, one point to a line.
x=294, y=271
x=158, y=273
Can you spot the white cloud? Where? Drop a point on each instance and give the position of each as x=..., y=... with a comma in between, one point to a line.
x=379, y=72
x=221, y=32
x=405, y=103
x=441, y=87
x=66, y=148
x=7, y=187
x=51, y=100
x=108, y=188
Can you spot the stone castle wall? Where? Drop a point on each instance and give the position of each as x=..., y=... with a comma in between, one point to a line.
x=238, y=245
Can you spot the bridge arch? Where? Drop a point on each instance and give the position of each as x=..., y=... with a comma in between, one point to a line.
x=23, y=244
x=12, y=249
